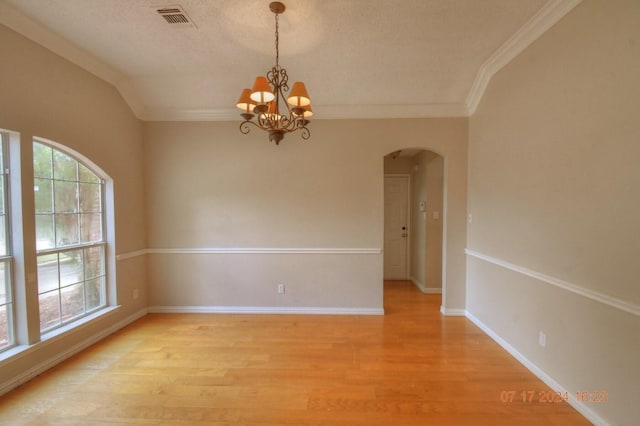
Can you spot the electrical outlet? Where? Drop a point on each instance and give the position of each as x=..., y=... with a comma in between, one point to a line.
x=280, y=288
x=135, y=293
x=542, y=339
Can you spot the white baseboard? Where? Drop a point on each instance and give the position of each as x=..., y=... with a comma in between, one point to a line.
x=548, y=380
x=40, y=368
x=450, y=312
x=424, y=289
x=262, y=310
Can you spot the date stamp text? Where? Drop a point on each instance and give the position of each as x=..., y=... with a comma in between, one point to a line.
x=552, y=397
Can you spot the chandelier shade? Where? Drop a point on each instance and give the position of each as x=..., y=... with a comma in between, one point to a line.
x=267, y=107
x=261, y=92
x=298, y=95
x=245, y=102
x=308, y=112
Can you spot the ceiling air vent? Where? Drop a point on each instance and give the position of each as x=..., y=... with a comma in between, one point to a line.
x=176, y=16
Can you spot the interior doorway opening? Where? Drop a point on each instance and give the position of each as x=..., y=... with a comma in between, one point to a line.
x=413, y=223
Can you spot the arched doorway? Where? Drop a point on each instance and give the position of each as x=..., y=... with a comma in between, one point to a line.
x=414, y=212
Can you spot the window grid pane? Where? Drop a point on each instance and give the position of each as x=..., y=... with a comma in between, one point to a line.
x=50, y=310
x=69, y=216
x=42, y=161
x=67, y=229
x=6, y=326
x=43, y=189
x=45, y=233
x=6, y=306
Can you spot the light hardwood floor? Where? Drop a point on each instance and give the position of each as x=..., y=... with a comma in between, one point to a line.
x=411, y=366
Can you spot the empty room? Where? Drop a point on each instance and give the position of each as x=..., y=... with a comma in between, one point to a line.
x=319, y=212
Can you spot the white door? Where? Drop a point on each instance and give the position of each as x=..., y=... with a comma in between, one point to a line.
x=396, y=200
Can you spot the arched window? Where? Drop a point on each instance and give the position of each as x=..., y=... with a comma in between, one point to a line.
x=70, y=237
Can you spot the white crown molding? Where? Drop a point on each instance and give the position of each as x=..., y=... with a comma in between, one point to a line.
x=176, y=114
x=544, y=19
x=263, y=310
x=326, y=112
x=585, y=292
x=435, y=110
x=24, y=25
x=581, y=407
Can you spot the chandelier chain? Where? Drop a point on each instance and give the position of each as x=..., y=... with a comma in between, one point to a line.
x=277, y=40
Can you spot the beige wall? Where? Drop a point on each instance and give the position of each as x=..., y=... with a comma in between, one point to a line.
x=44, y=95
x=399, y=165
x=555, y=189
x=433, y=260
x=426, y=238
x=210, y=187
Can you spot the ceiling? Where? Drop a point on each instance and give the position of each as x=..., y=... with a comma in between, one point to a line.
x=358, y=58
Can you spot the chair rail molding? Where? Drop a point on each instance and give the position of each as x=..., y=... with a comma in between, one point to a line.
x=614, y=302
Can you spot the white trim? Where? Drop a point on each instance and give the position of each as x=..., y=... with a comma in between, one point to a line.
x=45, y=365
x=213, y=250
x=614, y=302
x=581, y=407
x=426, y=290
x=325, y=112
x=131, y=254
x=544, y=19
x=262, y=310
x=175, y=114
x=451, y=312
x=431, y=110
x=244, y=250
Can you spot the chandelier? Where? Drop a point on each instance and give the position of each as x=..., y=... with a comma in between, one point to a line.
x=264, y=105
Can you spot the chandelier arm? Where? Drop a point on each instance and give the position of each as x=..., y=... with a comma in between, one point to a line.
x=306, y=134
x=284, y=81
x=294, y=122
x=244, y=126
x=263, y=122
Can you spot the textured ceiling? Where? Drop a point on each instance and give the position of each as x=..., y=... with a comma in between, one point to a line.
x=358, y=58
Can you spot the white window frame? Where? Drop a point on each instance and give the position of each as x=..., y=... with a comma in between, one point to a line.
x=108, y=237
x=7, y=259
